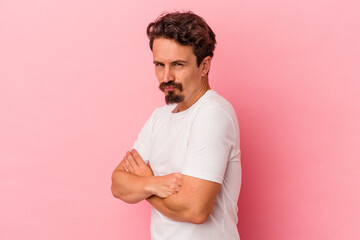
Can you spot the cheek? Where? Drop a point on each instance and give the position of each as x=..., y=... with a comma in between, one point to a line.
x=191, y=78
x=158, y=73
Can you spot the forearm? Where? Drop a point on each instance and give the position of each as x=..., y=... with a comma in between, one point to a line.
x=130, y=188
x=177, y=214
x=193, y=203
x=177, y=208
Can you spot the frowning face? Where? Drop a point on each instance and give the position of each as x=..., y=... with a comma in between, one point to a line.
x=177, y=71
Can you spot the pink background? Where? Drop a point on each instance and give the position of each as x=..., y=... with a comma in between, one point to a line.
x=77, y=83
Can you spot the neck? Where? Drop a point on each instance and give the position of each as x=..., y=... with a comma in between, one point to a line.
x=193, y=99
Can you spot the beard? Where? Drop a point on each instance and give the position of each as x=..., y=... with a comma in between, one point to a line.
x=171, y=97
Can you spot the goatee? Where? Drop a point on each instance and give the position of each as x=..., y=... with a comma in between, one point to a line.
x=171, y=96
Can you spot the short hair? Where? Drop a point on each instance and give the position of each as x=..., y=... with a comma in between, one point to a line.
x=186, y=28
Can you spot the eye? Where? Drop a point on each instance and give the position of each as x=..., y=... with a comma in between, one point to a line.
x=178, y=64
x=158, y=64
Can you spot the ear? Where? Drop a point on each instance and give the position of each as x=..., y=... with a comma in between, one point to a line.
x=205, y=66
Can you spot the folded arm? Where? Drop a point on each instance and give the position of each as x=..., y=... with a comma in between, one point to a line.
x=130, y=188
x=133, y=180
x=193, y=203
x=190, y=200
x=179, y=197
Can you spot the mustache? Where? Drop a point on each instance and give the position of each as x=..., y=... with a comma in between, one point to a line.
x=170, y=84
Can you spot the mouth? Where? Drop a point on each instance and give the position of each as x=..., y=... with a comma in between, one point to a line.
x=167, y=89
x=170, y=87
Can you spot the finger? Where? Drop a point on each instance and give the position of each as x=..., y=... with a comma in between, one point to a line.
x=175, y=189
x=177, y=175
x=131, y=159
x=137, y=156
x=129, y=167
x=125, y=168
x=121, y=164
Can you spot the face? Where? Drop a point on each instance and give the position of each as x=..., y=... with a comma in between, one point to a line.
x=176, y=69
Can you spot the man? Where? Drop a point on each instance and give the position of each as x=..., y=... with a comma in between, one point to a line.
x=186, y=160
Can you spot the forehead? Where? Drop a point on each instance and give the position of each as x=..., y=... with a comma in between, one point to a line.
x=169, y=50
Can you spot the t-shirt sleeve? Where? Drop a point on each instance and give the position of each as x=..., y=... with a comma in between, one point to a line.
x=143, y=142
x=211, y=139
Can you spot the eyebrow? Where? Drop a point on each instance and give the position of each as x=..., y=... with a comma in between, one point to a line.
x=176, y=61
x=179, y=61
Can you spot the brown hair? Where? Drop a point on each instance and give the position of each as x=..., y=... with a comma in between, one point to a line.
x=187, y=29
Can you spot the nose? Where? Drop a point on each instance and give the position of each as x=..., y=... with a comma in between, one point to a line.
x=167, y=75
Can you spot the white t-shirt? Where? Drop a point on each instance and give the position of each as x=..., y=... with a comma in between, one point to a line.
x=203, y=142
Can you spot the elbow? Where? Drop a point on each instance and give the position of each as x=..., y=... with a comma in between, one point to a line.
x=124, y=197
x=199, y=214
x=198, y=217
x=190, y=212
x=117, y=192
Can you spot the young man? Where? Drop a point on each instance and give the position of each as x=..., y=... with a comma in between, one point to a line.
x=186, y=160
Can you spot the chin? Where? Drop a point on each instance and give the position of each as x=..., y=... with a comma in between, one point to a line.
x=172, y=98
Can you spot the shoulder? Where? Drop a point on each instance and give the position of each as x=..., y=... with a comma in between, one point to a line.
x=217, y=107
x=161, y=111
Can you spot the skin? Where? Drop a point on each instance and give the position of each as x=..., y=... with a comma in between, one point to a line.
x=179, y=197
x=133, y=181
x=174, y=62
